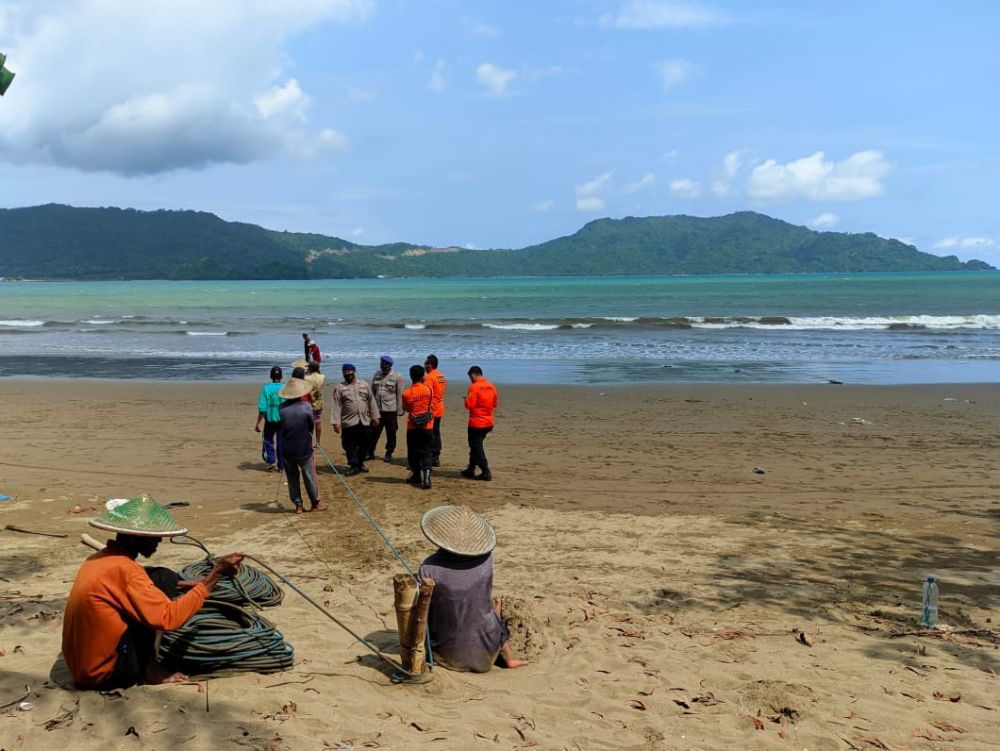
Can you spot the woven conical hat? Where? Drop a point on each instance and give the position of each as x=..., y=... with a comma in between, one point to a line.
x=140, y=516
x=300, y=363
x=458, y=529
x=296, y=388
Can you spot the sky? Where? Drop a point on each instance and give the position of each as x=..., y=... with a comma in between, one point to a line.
x=509, y=123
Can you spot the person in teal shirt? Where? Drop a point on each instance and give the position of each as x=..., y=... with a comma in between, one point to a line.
x=269, y=420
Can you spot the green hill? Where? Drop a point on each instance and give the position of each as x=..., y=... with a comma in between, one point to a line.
x=63, y=242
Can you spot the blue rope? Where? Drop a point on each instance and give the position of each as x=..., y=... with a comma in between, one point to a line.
x=368, y=516
x=385, y=538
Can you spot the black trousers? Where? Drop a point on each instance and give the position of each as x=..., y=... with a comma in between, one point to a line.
x=355, y=440
x=135, y=648
x=418, y=449
x=477, y=454
x=436, y=441
x=389, y=421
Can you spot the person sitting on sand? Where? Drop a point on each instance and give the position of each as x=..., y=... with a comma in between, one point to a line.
x=297, y=426
x=116, y=606
x=466, y=626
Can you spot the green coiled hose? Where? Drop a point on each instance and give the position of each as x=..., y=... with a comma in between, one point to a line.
x=225, y=638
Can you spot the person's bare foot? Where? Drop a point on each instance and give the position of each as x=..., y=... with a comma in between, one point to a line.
x=299, y=509
x=157, y=674
x=498, y=606
x=507, y=657
x=318, y=507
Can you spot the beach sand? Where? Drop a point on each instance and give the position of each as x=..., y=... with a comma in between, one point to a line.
x=658, y=584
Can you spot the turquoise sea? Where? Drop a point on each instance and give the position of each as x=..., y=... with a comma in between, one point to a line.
x=855, y=328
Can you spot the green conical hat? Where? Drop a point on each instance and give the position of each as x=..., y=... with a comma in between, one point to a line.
x=140, y=516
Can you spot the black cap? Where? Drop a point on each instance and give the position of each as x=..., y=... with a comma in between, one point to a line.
x=276, y=373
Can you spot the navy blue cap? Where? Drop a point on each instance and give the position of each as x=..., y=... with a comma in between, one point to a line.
x=386, y=358
x=347, y=366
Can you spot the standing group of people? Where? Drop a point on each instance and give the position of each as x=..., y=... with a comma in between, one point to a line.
x=290, y=418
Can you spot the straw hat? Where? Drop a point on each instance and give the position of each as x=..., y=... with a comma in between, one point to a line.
x=300, y=363
x=459, y=530
x=296, y=388
x=143, y=517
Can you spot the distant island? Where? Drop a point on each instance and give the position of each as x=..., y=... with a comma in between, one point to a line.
x=66, y=243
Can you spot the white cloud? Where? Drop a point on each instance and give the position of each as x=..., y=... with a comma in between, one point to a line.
x=142, y=88
x=588, y=194
x=659, y=14
x=964, y=242
x=332, y=139
x=673, y=72
x=826, y=220
x=671, y=156
x=643, y=182
x=495, y=78
x=437, y=83
x=977, y=242
x=685, y=188
x=357, y=232
x=543, y=205
x=723, y=181
x=813, y=178
x=283, y=99
x=589, y=203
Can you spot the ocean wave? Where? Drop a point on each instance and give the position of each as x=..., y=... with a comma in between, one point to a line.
x=863, y=323
x=207, y=333
x=21, y=323
x=521, y=326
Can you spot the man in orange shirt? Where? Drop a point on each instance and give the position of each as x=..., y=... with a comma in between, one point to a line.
x=438, y=383
x=480, y=400
x=418, y=403
x=116, y=606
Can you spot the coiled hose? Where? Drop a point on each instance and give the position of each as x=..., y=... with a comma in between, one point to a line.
x=250, y=586
x=225, y=638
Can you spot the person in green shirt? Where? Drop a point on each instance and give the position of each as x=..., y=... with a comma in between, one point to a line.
x=269, y=420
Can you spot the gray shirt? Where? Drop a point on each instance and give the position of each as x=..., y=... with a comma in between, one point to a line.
x=465, y=632
x=388, y=388
x=353, y=403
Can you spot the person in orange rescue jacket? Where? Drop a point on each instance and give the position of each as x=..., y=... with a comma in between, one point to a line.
x=438, y=383
x=480, y=400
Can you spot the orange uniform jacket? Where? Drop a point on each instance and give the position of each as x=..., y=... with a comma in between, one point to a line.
x=481, y=400
x=438, y=384
x=112, y=590
x=416, y=401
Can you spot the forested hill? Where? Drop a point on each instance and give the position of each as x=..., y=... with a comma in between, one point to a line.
x=63, y=242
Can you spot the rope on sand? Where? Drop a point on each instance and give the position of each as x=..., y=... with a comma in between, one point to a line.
x=249, y=587
x=225, y=638
x=232, y=644
x=385, y=538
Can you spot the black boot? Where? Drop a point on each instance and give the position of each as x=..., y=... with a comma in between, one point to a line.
x=414, y=478
x=426, y=484
x=469, y=472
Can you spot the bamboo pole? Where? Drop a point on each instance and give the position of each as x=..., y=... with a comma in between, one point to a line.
x=405, y=590
x=418, y=627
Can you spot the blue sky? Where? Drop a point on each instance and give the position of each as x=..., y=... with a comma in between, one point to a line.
x=503, y=124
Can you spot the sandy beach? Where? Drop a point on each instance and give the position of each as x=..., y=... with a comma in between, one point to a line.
x=686, y=567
